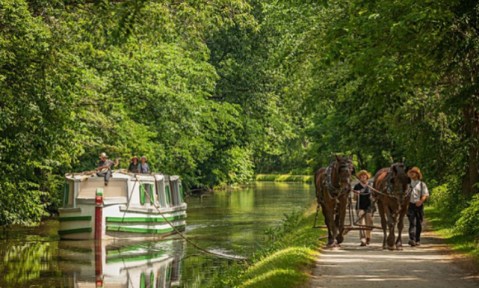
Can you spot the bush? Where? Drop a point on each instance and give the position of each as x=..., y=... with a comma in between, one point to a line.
x=468, y=222
x=448, y=199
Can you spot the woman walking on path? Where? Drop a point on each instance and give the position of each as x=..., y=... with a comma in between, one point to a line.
x=364, y=206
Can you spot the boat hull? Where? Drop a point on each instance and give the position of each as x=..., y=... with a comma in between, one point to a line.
x=122, y=210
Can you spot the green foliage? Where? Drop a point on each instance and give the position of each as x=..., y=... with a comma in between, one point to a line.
x=468, y=222
x=218, y=90
x=128, y=78
x=448, y=199
x=284, y=178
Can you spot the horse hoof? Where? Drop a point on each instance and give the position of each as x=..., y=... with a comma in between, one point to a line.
x=391, y=248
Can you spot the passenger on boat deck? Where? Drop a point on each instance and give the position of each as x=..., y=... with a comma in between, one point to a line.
x=104, y=167
x=144, y=168
x=134, y=165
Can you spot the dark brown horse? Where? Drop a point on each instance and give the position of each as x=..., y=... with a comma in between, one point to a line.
x=392, y=192
x=333, y=185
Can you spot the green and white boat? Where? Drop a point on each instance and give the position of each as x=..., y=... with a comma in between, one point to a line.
x=132, y=205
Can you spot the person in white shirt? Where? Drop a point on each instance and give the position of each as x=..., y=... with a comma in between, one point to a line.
x=415, y=212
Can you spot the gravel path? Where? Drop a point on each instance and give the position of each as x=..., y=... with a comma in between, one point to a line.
x=430, y=265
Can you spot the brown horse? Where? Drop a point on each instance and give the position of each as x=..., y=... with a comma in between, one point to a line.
x=392, y=192
x=333, y=185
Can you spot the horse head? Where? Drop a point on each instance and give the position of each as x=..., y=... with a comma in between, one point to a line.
x=344, y=171
x=398, y=179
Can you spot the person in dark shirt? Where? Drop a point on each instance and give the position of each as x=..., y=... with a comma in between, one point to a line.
x=134, y=165
x=364, y=207
x=104, y=167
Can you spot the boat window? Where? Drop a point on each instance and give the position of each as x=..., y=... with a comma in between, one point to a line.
x=175, y=191
x=68, y=191
x=146, y=193
x=168, y=194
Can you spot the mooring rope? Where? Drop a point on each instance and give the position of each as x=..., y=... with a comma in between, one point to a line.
x=230, y=257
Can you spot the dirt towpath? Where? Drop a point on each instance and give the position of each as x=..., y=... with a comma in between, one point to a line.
x=429, y=265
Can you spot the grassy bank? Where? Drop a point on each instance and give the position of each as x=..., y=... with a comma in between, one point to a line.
x=285, y=262
x=444, y=226
x=284, y=178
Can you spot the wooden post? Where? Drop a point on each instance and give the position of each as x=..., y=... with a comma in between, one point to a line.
x=98, y=213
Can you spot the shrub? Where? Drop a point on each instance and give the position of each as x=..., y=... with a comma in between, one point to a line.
x=448, y=199
x=468, y=222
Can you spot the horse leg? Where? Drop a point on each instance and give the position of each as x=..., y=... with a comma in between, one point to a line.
x=391, y=223
x=341, y=216
x=327, y=208
x=400, y=228
x=382, y=215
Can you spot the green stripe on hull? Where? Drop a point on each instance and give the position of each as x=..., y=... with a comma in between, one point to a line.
x=142, y=230
x=76, y=218
x=143, y=219
x=124, y=258
x=75, y=231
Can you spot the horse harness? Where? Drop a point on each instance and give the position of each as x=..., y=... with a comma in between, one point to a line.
x=333, y=191
x=390, y=189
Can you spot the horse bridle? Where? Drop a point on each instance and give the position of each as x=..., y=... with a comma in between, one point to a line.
x=390, y=189
x=333, y=190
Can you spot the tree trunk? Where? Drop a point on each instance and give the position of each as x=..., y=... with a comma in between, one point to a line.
x=471, y=177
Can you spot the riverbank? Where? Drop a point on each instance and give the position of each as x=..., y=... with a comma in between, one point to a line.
x=286, y=262
x=284, y=178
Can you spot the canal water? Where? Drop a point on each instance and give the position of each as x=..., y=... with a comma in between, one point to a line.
x=230, y=223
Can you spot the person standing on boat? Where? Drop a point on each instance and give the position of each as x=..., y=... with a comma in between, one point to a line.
x=144, y=168
x=364, y=206
x=134, y=165
x=104, y=167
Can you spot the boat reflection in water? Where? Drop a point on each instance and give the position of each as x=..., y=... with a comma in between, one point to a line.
x=122, y=264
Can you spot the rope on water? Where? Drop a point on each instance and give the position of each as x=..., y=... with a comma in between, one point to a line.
x=222, y=255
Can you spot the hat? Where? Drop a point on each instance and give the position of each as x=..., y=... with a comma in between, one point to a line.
x=134, y=157
x=363, y=172
x=143, y=157
x=414, y=170
x=103, y=154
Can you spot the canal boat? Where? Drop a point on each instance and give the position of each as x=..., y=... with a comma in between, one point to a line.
x=131, y=205
x=122, y=264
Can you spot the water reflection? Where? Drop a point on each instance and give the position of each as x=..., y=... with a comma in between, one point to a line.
x=25, y=262
x=120, y=264
x=229, y=222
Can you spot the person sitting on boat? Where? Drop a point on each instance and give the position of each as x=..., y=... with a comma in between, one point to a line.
x=104, y=167
x=144, y=168
x=134, y=165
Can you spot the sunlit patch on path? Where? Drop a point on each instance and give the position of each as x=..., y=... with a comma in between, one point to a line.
x=429, y=265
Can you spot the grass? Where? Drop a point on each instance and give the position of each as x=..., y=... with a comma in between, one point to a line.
x=286, y=261
x=444, y=226
x=284, y=178
x=283, y=268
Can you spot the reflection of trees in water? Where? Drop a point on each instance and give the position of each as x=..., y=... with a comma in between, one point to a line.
x=24, y=262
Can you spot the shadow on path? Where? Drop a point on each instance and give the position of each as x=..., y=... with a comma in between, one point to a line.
x=429, y=265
